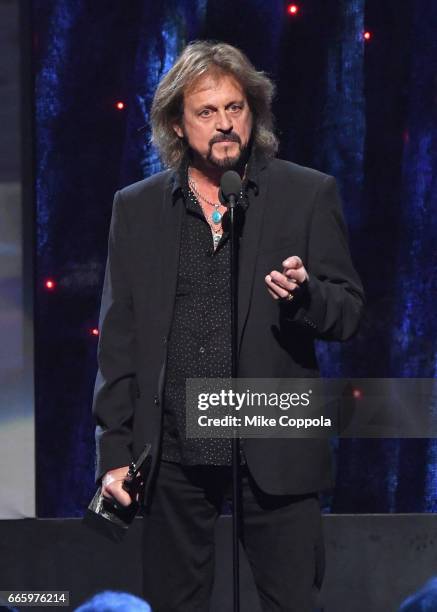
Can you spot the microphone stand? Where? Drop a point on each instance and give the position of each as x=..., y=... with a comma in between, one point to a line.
x=230, y=188
x=236, y=511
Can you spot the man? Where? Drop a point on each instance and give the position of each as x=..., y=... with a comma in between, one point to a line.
x=165, y=316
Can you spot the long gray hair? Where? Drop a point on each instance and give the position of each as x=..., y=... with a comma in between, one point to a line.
x=198, y=58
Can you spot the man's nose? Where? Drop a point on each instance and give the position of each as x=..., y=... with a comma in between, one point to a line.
x=223, y=123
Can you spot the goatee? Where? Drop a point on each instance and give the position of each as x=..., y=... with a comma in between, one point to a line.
x=229, y=163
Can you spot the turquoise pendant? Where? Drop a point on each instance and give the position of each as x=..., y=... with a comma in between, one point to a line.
x=216, y=216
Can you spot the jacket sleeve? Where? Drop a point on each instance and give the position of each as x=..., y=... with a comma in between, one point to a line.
x=330, y=303
x=113, y=398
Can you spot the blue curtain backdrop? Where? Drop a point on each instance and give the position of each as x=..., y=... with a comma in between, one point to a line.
x=364, y=111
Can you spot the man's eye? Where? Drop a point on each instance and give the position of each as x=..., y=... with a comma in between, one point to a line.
x=235, y=107
x=205, y=113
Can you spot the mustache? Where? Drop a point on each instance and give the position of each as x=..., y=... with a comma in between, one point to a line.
x=231, y=137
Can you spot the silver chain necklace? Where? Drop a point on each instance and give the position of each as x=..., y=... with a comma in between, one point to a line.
x=216, y=215
x=216, y=231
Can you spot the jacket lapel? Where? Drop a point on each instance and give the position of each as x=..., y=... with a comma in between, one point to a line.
x=249, y=248
x=170, y=236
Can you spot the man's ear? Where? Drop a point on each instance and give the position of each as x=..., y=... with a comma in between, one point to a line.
x=178, y=129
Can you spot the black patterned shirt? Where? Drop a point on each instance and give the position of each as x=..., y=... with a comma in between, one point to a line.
x=199, y=344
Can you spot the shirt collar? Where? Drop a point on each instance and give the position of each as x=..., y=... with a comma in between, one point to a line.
x=256, y=162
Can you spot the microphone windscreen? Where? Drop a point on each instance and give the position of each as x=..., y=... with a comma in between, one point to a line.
x=230, y=184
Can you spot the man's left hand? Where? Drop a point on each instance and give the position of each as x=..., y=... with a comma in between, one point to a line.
x=281, y=284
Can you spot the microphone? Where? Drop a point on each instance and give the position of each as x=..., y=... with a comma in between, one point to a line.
x=230, y=188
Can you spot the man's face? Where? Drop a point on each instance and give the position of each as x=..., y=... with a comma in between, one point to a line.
x=217, y=121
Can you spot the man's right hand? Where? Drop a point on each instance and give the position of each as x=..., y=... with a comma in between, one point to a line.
x=112, y=486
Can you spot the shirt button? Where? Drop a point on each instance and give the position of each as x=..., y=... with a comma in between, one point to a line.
x=156, y=400
x=202, y=349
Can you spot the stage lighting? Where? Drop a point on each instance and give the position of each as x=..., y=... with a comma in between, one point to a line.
x=367, y=35
x=292, y=9
x=119, y=106
x=50, y=284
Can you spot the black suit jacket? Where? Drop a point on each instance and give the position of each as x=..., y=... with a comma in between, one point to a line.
x=296, y=211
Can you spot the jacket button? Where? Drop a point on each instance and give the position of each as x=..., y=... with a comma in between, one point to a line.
x=164, y=339
x=156, y=400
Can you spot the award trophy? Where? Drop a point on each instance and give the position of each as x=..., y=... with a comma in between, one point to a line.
x=107, y=516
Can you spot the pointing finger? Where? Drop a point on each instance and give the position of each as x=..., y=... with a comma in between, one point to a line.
x=292, y=262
